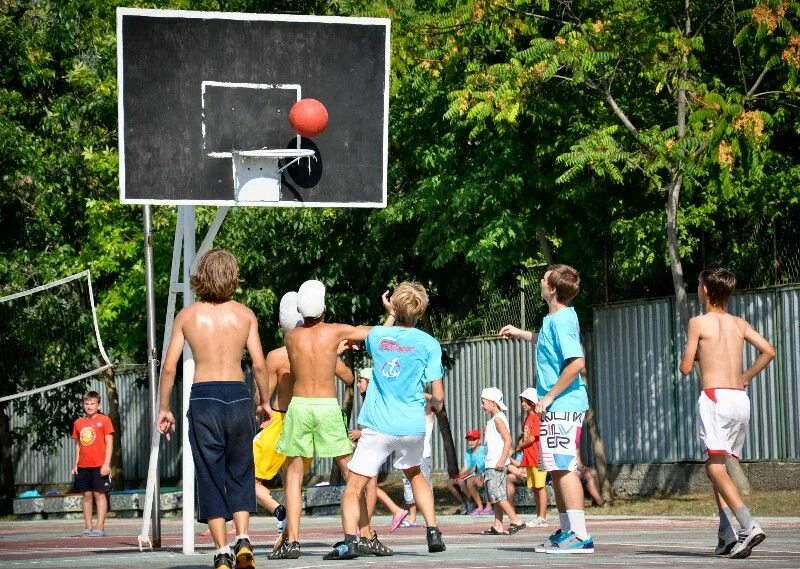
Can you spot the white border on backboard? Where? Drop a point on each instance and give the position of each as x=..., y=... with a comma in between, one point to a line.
x=248, y=17
x=229, y=85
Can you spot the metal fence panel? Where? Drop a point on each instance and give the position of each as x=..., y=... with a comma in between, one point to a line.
x=788, y=366
x=647, y=411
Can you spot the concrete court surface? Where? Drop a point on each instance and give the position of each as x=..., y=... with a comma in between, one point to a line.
x=621, y=541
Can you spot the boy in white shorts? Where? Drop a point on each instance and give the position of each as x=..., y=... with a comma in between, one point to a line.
x=563, y=403
x=425, y=467
x=393, y=415
x=716, y=340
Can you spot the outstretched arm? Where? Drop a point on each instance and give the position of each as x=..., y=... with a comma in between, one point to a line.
x=690, y=353
x=509, y=331
x=766, y=352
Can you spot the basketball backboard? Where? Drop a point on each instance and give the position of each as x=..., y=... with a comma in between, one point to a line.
x=199, y=91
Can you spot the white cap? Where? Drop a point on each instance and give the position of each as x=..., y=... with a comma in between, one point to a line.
x=311, y=299
x=288, y=315
x=365, y=372
x=494, y=394
x=530, y=394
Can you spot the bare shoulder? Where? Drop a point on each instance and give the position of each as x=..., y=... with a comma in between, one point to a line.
x=242, y=309
x=277, y=356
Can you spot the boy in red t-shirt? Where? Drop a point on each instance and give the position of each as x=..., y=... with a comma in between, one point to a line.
x=529, y=445
x=94, y=436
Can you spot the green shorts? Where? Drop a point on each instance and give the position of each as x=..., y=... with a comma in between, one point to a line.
x=314, y=426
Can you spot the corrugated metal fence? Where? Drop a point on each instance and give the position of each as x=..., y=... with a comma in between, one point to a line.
x=646, y=409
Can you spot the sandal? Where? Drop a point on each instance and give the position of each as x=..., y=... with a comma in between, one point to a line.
x=493, y=531
x=397, y=520
x=514, y=528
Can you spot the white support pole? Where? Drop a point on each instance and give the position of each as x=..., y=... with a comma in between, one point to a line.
x=189, y=233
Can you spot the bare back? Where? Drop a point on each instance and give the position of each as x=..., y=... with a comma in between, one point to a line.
x=312, y=350
x=217, y=335
x=280, y=372
x=720, y=348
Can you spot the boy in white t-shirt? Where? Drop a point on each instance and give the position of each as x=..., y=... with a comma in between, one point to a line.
x=498, y=450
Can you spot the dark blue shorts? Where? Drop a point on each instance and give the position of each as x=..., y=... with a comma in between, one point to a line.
x=90, y=480
x=221, y=429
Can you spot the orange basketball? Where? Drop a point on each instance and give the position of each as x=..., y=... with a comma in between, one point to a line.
x=308, y=117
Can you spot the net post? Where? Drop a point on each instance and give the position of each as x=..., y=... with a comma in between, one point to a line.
x=189, y=235
x=152, y=366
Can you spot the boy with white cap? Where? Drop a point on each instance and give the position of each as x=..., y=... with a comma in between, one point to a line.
x=314, y=423
x=563, y=402
x=268, y=460
x=498, y=451
x=529, y=445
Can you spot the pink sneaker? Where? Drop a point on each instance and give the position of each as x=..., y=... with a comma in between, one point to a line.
x=397, y=520
x=476, y=512
x=487, y=511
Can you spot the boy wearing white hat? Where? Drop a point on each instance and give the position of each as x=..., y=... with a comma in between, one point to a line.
x=498, y=450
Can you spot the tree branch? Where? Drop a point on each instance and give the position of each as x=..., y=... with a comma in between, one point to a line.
x=758, y=81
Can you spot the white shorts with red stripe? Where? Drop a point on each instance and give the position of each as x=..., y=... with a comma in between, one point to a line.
x=724, y=416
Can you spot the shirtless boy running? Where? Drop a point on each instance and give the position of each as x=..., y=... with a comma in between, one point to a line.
x=220, y=414
x=716, y=340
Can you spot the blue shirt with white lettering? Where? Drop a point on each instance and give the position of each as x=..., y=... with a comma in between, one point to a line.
x=560, y=340
x=403, y=361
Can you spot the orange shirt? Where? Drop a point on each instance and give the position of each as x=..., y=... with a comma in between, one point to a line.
x=91, y=434
x=530, y=455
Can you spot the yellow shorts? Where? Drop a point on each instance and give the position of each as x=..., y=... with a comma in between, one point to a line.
x=536, y=478
x=267, y=459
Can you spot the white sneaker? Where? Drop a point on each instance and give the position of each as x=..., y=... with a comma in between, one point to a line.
x=539, y=521
x=747, y=539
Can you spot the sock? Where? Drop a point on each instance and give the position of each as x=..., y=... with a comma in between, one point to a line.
x=563, y=519
x=577, y=523
x=726, y=523
x=743, y=517
x=224, y=550
x=280, y=512
x=242, y=536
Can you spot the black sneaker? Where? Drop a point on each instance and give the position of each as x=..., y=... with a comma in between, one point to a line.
x=435, y=543
x=373, y=546
x=243, y=551
x=342, y=550
x=224, y=561
x=287, y=550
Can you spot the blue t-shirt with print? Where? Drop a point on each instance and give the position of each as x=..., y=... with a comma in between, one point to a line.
x=475, y=459
x=403, y=360
x=558, y=341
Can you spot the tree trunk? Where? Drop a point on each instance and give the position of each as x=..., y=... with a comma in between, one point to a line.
x=112, y=410
x=6, y=463
x=675, y=264
x=544, y=245
x=347, y=408
x=601, y=462
x=450, y=454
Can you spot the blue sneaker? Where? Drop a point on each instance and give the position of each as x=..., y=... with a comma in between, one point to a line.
x=553, y=539
x=571, y=543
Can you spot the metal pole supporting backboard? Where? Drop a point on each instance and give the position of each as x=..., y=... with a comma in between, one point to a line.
x=188, y=214
x=152, y=361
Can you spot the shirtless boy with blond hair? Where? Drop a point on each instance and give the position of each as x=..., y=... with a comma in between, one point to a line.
x=716, y=341
x=313, y=424
x=220, y=414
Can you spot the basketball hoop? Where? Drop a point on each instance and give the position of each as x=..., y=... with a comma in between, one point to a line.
x=257, y=173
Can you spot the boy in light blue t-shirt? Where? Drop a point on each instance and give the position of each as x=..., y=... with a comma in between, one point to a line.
x=404, y=359
x=563, y=403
